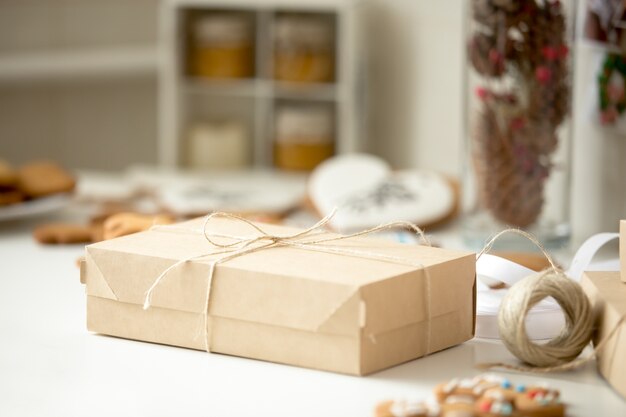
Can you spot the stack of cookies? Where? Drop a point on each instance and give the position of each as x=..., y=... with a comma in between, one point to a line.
x=480, y=396
x=32, y=180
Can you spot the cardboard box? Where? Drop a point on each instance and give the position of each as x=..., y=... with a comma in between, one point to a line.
x=622, y=248
x=329, y=311
x=608, y=296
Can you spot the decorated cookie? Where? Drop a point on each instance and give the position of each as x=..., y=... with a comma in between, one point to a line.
x=473, y=387
x=458, y=413
x=491, y=395
x=539, y=402
x=62, y=233
x=368, y=193
x=38, y=179
x=406, y=408
x=458, y=404
x=496, y=402
x=481, y=396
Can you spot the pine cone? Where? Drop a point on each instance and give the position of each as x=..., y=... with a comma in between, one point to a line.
x=485, y=57
x=511, y=183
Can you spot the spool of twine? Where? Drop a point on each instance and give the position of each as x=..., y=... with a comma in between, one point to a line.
x=523, y=296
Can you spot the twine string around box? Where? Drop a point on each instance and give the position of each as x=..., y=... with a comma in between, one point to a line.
x=308, y=239
x=560, y=353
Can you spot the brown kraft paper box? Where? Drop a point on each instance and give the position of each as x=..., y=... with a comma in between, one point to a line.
x=608, y=297
x=351, y=314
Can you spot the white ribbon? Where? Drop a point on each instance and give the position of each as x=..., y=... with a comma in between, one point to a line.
x=545, y=320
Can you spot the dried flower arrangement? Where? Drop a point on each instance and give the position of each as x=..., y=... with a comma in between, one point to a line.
x=519, y=49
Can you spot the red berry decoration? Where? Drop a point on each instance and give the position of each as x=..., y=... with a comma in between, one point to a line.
x=543, y=74
x=482, y=93
x=517, y=123
x=485, y=406
x=495, y=57
x=550, y=53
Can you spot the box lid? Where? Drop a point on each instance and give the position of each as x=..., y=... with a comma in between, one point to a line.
x=341, y=293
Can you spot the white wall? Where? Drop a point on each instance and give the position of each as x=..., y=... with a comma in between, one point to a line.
x=105, y=122
x=416, y=71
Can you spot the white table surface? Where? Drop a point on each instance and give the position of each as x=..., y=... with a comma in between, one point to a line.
x=51, y=366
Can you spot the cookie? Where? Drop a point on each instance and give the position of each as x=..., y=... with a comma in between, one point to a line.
x=458, y=404
x=496, y=402
x=126, y=223
x=8, y=176
x=38, y=179
x=10, y=197
x=539, y=402
x=458, y=413
x=492, y=396
x=485, y=395
x=62, y=233
x=474, y=386
x=406, y=408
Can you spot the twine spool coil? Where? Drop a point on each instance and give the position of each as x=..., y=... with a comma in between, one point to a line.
x=526, y=293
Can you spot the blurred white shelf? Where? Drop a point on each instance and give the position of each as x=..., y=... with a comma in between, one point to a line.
x=78, y=64
x=230, y=87
x=260, y=88
x=305, y=91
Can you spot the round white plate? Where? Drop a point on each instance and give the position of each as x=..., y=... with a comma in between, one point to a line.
x=33, y=208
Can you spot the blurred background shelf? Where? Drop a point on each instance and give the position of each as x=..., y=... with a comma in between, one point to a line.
x=195, y=96
x=66, y=65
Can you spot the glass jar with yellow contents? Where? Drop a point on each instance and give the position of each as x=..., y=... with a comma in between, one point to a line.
x=304, y=48
x=304, y=136
x=221, y=45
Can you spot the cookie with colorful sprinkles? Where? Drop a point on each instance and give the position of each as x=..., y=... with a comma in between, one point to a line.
x=539, y=401
x=484, y=395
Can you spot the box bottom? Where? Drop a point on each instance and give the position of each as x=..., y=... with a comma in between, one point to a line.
x=355, y=355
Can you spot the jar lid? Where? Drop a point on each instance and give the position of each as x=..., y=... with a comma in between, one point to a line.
x=304, y=122
x=304, y=31
x=222, y=28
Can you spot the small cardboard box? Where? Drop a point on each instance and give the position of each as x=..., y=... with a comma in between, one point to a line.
x=622, y=248
x=346, y=312
x=608, y=297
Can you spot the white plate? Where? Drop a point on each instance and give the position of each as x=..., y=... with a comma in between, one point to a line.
x=35, y=207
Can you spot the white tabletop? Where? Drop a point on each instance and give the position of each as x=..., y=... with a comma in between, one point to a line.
x=51, y=366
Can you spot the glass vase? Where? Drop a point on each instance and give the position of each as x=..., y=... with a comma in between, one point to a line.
x=518, y=106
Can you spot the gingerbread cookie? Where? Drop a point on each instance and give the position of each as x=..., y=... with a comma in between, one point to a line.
x=62, y=233
x=10, y=197
x=38, y=179
x=473, y=387
x=126, y=223
x=539, y=402
x=481, y=396
x=492, y=396
x=8, y=176
x=406, y=408
x=496, y=402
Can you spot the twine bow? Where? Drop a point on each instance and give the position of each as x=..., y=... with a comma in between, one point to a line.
x=308, y=239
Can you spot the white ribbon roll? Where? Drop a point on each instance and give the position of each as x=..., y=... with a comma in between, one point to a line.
x=545, y=320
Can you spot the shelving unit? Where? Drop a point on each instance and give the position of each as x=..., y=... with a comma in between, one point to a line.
x=186, y=99
x=69, y=65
